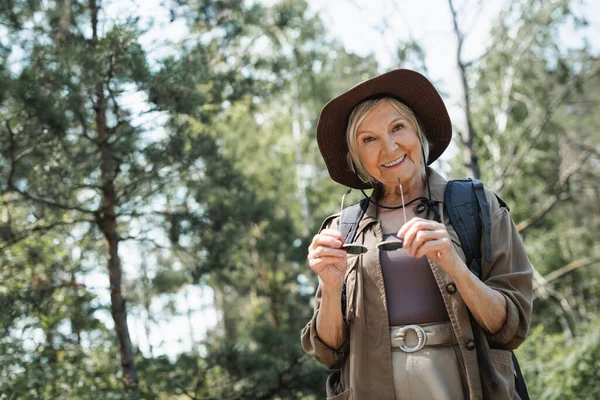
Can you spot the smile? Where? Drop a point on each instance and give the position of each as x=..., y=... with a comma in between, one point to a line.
x=395, y=163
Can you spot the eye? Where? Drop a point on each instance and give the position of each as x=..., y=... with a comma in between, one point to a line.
x=397, y=127
x=368, y=139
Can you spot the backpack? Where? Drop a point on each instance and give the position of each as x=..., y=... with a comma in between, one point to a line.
x=464, y=200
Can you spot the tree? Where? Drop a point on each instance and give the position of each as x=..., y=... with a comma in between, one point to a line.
x=77, y=162
x=201, y=158
x=255, y=254
x=531, y=101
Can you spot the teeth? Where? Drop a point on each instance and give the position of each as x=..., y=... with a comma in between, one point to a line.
x=398, y=161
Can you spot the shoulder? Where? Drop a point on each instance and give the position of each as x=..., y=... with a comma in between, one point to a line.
x=331, y=222
x=492, y=198
x=497, y=205
x=352, y=214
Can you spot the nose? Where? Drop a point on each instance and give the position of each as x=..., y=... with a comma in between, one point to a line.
x=389, y=145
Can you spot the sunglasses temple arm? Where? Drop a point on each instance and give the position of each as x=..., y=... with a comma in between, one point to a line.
x=402, y=196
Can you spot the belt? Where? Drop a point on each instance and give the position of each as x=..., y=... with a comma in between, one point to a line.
x=411, y=338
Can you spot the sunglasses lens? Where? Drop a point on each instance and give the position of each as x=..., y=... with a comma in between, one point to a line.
x=390, y=246
x=354, y=248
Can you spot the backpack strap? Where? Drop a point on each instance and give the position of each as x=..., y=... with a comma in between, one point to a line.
x=520, y=385
x=349, y=220
x=484, y=212
x=463, y=206
x=468, y=210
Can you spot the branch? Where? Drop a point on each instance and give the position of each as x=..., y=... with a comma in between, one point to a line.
x=42, y=228
x=479, y=8
x=507, y=84
x=111, y=94
x=135, y=214
x=584, y=262
x=29, y=196
x=175, y=248
x=143, y=239
x=84, y=128
x=185, y=392
x=47, y=202
x=554, y=199
x=281, y=375
x=542, y=290
x=546, y=208
x=469, y=156
x=492, y=48
x=130, y=187
x=514, y=155
x=457, y=31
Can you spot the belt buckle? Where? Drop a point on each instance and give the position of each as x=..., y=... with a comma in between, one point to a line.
x=421, y=335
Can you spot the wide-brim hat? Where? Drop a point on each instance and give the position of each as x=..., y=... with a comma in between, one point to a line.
x=411, y=88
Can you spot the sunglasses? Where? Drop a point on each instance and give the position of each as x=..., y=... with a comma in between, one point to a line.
x=356, y=248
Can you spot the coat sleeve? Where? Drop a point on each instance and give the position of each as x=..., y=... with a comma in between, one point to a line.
x=510, y=273
x=311, y=343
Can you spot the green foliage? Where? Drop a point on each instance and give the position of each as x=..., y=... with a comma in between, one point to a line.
x=558, y=367
x=225, y=187
x=535, y=110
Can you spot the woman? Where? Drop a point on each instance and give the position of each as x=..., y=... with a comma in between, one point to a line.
x=407, y=331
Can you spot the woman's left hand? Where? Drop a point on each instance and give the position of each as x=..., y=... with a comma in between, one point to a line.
x=423, y=237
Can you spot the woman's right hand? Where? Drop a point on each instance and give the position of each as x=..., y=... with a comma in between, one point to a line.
x=327, y=259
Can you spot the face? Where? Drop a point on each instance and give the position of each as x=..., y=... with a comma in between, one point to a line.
x=388, y=146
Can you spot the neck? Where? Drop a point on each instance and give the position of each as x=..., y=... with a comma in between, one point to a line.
x=412, y=188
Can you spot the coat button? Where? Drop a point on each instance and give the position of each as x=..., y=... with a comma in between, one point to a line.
x=451, y=288
x=470, y=345
x=420, y=208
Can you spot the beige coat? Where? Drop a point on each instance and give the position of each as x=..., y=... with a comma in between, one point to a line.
x=365, y=357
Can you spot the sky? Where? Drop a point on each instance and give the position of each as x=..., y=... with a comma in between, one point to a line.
x=364, y=27
x=376, y=27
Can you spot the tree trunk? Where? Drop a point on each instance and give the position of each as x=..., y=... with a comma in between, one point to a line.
x=106, y=219
x=467, y=133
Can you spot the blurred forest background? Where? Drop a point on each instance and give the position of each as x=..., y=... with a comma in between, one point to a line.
x=157, y=196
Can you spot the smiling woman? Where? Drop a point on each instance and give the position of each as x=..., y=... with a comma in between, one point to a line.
x=397, y=320
x=365, y=117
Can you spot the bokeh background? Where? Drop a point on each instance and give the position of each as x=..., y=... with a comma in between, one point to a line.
x=160, y=181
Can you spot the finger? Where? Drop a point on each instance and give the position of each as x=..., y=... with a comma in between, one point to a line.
x=431, y=246
x=329, y=241
x=407, y=226
x=324, y=251
x=417, y=226
x=411, y=223
x=324, y=240
x=421, y=238
x=332, y=232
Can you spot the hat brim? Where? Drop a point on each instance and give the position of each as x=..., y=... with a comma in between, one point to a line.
x=412, y=89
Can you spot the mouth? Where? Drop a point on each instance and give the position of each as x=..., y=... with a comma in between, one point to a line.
x=395, y=163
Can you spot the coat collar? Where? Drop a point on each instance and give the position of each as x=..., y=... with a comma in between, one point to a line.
x=437, y=183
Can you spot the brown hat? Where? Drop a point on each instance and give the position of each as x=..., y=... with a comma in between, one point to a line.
x=411, y=88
